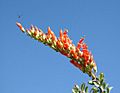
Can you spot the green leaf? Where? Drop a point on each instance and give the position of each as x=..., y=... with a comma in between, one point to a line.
x=86, y=89
x=76, y=88
x=107, y=85
x=104, y=91
x=90, y=82
x=96, y=84
x=101, y=82
x=101, y=77
x=94, y=89
x=104, y=85
x=73, y=91
x=83, y=87
x=109, y=89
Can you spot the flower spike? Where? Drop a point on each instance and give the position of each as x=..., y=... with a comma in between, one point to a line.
x=79, y=55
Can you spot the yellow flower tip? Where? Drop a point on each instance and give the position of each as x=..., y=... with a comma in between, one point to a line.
x=20, y=26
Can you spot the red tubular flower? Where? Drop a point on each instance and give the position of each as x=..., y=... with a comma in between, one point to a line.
x=61, y=35
x=20, y=26
x=35, y=33
x=59, y=45
x=65, y=54
x=84, y=46
x=76, y=64
x=54, y=37
x=75, y=56
x=51, y=34
x=66, y=46
x=79, y=55
x=81, y=40
x=72, y=51
x=80, y=43
x=49, y=31
x=65, y=33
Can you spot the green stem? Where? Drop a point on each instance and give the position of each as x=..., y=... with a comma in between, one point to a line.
x=93, y=76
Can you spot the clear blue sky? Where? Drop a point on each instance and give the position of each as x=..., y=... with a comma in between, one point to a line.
x=27, y=66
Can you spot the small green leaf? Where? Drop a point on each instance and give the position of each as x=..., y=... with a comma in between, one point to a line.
x=76, y=86
x=101, y=77
x=104, y=85
x=73, y=91
x=83, y=87
x=104, y=91
x=101, y=82
x=86, y=89
x=91, y=82
x=109, y=89
x=96, y=84
x=94, y=89
x=107, y=85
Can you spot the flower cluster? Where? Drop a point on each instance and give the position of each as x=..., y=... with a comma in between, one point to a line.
x=79, y=55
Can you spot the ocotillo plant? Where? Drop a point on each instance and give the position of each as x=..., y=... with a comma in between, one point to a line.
x=79, y=56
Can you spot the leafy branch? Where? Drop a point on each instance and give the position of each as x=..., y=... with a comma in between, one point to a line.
x=98, y=86
x=79, y=56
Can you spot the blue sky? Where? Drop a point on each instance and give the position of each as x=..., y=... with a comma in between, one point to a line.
x=27, y=66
